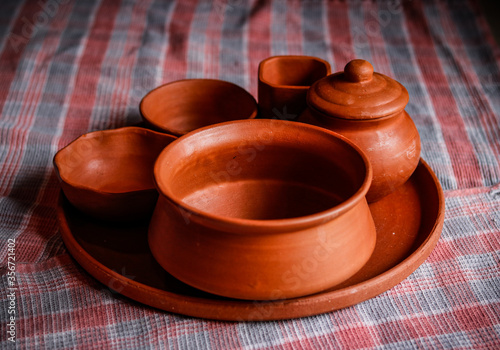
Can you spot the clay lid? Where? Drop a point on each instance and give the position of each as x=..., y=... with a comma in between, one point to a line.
x=357, y=93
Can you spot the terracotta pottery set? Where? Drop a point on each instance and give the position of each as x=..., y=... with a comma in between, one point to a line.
x=244, y=207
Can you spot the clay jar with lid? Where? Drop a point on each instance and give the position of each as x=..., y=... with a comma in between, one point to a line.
x=368, y=109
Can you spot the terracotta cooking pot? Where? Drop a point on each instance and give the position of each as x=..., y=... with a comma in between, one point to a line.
x=283, y=84
x=368, y=109
x=109, y=174
x=262, y=209
x=185, y=105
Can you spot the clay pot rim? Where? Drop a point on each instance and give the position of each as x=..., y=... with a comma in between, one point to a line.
x=157, y=89
x=297, y=57
x=238, y=225
x=102, y=133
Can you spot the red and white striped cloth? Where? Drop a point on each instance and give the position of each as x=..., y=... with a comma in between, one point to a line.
x=68, y=67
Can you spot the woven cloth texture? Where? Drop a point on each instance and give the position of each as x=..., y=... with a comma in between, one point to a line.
x=68, y=67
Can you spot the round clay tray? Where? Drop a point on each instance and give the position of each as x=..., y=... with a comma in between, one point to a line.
x=409, y=223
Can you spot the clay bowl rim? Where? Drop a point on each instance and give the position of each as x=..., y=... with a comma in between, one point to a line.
x=286, y=224
x=158, y=126
x=294, y=57
x=100, y=133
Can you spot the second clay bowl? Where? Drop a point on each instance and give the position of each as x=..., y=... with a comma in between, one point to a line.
x=185, y=105
x=109, y=174
x=262, y=209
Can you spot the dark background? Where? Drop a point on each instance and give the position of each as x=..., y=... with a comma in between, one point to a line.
x=492, y=10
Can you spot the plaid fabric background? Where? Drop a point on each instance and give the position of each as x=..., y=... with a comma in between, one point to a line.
x=68, y=67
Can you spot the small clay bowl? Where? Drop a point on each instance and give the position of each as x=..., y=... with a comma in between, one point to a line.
x=262, y=209
x=185, y=105
x=109, y=174
x=284, y=82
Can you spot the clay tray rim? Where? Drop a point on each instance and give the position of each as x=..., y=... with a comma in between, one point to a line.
x=302, y=306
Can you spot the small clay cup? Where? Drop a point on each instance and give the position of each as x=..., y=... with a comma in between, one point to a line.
x=109, y=174
x=284, y=82
x=262, y=209
x=185, y=105
x=368, y=109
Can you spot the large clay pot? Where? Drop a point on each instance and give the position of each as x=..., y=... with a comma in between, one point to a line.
x=283, y=84
x=109, y=174
x=368, y=109
x=262, y=209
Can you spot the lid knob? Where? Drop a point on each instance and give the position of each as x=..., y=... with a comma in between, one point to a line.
x=358, y=71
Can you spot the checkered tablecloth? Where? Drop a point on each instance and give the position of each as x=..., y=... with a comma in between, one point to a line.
x=68, y=67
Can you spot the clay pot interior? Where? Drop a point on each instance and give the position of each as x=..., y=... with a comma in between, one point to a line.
x=185, y=105
x=109, y=174
x=265, y=177
x=293, y=70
